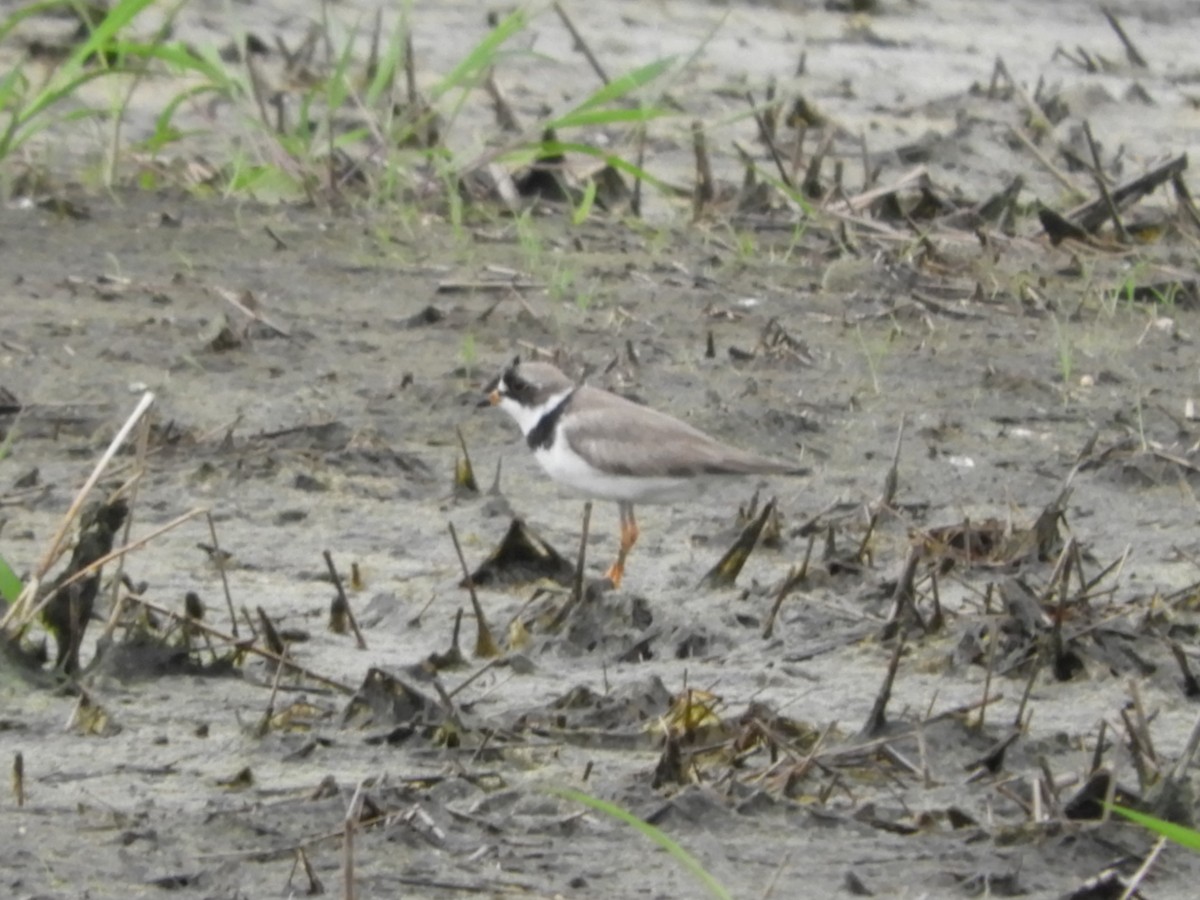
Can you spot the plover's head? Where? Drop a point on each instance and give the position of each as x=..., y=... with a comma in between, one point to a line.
x=527, y=391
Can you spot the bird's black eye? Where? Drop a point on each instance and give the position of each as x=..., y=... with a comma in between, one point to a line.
x=517, y=387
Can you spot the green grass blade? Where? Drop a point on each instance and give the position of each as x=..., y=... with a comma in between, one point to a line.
x=12, y=86
x=72, y=73
x=584, y=117
x=10, y=584
x=482, y=56
x=685, y=859
x=581, y=212
x=106, y=31
x=165, y=132
x=1180, y=834
x=181, y=58
x=627, y=83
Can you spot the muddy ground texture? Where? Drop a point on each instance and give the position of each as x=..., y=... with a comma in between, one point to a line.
x=987, y=588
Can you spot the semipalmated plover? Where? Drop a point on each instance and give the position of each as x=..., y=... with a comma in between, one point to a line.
x=601, y=445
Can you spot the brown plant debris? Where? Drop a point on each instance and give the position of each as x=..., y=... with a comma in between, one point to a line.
x=521, y=557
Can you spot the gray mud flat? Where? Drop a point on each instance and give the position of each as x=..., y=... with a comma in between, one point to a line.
x=1011, y=374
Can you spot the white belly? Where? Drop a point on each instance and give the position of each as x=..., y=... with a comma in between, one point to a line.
x=571, y=471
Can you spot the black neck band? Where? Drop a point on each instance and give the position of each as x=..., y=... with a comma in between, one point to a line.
x=541, y=436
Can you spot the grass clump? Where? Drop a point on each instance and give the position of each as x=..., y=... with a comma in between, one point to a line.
x=328, y=125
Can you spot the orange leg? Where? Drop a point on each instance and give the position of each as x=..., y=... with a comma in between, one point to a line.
x=629, y=536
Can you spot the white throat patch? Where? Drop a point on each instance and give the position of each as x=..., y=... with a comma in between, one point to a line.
x=527, y=417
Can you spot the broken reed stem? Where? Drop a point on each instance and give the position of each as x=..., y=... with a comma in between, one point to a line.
x=1061, y=573
x=506, y=117
x=1184, y=199
x=993, y=640
x=1131, y=52
x=343, y=599
x=29, y=616
x=904, y=598
x=485, y=644
x=891, y=482
x=349, y=824
x=264, y=727
x=219, y=557
x=878, y=717
x=1033, y=673
x=1055, y=172
x=764, y=132
x=1143, y=724
x=372, y=68
x=410, y=73
x=256, y=89
x=18, y=778
x=580, y=44
x=1102, y=185
x=464, y=472
x=52, y=551
x=1135, y=880
x=704, y=191
x=577, y=583
x=861, y=553
x=581, y=561
x=244, y=645
x=1137, y=752
x=1116, y=566
x=1098, y=752
x=812, y=175
x=486, y=667
x=794, y=580
x=1191, y=748
x=635, y=202
x=143, y=444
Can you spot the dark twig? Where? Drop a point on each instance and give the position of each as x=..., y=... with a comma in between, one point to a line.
x=464, y=472
x=1131, y=52
x=485, y=644
x=578, y=581
x=1137, y=751
x=704, y=191
x=878, y=717
x=219, y=561
x=812, y=175
x=344, y=600
x=1098, y=752
x=904, y=597
x=794, y=580
x=993, y=641
x=580, y=562
x=1101, y=184
x=243, y=645
x=580, y=44
x=765, y=133
x=18, y=778
x=635, y=201
x=1191, y=687
x=1184, y=196
x=349, y=826
x=410, y=74
x=1019, y=719
x=506, y=117
x=1091, y=215
x=1143, y=725
x=725, y=572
